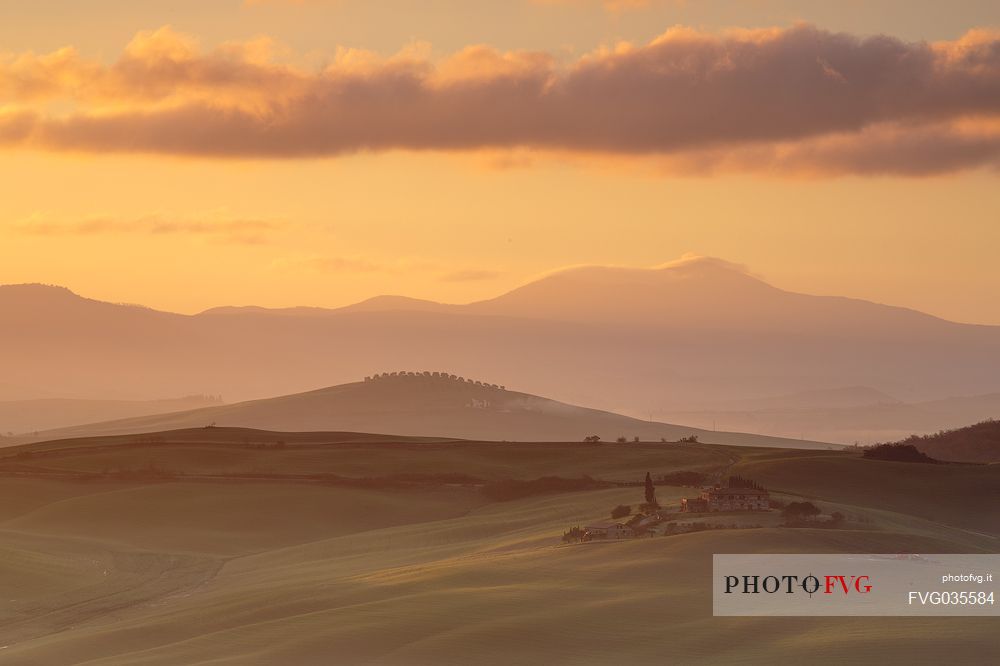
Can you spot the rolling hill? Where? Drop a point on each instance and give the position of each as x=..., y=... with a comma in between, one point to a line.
x=881, y=419
x=105, y=568
x=23, y=416
x=975, y=443
x=424, y=404
x=680, y=337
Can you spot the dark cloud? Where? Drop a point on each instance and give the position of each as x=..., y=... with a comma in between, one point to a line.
x=686, y=92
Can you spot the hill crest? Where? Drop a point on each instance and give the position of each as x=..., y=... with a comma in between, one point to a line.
x=425, y=404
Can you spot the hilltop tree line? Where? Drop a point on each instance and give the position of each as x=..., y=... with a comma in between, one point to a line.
x=979, y=442
x=622, y=439
x=740, y=482
x=432, y=375
x=898, y=452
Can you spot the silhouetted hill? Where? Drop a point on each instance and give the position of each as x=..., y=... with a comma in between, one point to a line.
x=974, y=443
x=424, y=404
x=867, y=424
x=676, y=338
x=898, y=452
x=23, y=416
x=700, y=293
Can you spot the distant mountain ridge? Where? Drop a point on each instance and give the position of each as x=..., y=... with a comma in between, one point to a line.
x=682, y=293
x=674, y=338
x=425, y=404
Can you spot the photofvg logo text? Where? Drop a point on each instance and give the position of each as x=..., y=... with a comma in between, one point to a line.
x=789, y=584
x=855, y=584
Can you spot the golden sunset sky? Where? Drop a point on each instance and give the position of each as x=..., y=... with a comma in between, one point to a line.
x=189, y=154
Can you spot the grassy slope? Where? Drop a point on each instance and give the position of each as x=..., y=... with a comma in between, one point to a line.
x=977, y=443
x=231, y=451
x=493, y=587
x=197, y=572
x=962, y=495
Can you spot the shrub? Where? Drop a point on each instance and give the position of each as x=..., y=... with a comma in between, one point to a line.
x=800, y=511
x=621, y=511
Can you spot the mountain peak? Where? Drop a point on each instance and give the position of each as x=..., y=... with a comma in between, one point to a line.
x=685, y=287
x=691, y=262
x=392, y=302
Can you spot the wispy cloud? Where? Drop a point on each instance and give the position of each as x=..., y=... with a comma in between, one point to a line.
x=239, y=230
x=782, y=100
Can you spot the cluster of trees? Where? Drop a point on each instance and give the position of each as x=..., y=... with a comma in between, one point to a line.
x=650, y=493
x=800, y=511
x=804, y=514
x=433, y=375
x=650, y=504
x=979, y=442
x=898, y=452
x=622, y=439
x=740, y=482
x=621, y=511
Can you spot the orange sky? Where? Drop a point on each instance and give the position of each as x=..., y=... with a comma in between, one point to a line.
x=319, y=153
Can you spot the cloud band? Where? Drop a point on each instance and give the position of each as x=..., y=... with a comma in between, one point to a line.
x=800, y=98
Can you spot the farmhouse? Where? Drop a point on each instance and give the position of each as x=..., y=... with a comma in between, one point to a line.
x=694, y=505
x=607, y=531
x=727, y=499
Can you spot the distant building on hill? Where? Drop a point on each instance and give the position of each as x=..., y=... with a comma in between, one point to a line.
x=727, y=499
x=607, y=531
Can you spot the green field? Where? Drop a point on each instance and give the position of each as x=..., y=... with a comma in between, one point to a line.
x=206, y=567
